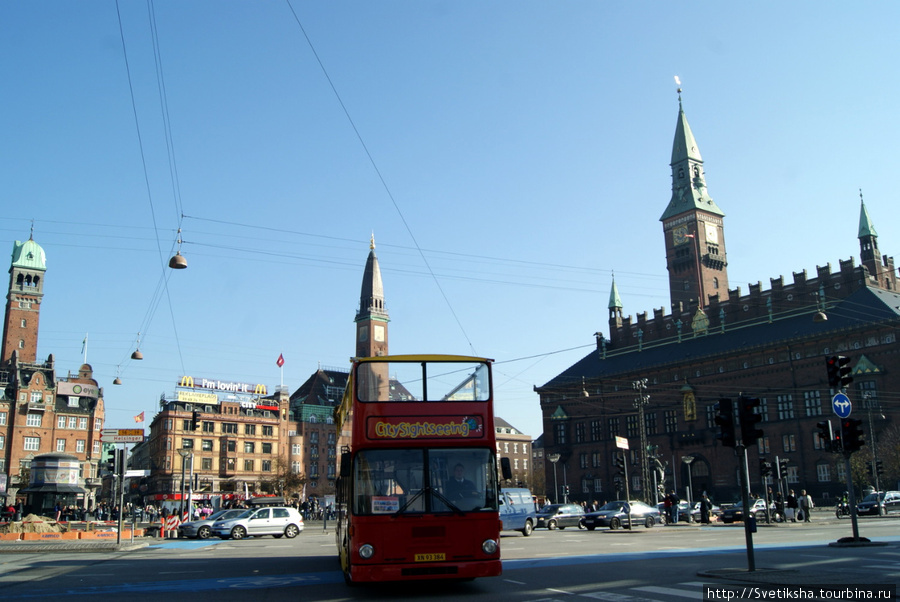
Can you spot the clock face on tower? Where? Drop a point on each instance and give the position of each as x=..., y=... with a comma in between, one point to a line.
x=378, y=334
x=363, y=333
x=712, y=234
x=679, y=235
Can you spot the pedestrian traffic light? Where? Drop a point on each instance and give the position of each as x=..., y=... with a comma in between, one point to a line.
x=725, y=420
x=765, y=467
x=195, y=421
x=838, y=371
x=851, y=434
x=879, y=468
x=619, y=461
x=748, y=410
x=826, y=435
x=782, y=468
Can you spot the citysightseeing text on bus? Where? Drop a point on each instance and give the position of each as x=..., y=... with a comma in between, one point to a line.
x=431, y=427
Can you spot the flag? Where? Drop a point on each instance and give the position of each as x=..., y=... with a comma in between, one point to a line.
x=139, y=417
x=280, y=361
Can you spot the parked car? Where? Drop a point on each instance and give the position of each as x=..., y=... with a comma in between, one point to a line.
x=260, y=521
x=202, y=529
x=517, y=510
x=889, y=501
x=736, y=512
x=613, y=515
x=552, y=516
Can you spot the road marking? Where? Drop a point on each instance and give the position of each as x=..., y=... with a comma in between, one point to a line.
x=671, y=591
x=611, y=597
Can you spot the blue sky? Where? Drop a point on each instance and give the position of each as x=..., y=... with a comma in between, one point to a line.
x=508, y=156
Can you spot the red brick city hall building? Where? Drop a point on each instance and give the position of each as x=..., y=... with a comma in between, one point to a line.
x=671, y=369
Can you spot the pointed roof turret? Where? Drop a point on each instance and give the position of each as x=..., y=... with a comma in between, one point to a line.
x=688, y=181
x=371, y=297
x=865, y=223
x=615, y=302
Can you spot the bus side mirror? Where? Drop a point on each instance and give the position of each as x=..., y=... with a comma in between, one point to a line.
x=345, y=464
x=505, y=468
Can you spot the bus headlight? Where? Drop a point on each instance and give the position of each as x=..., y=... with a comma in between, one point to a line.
x=489, y=546
x=366, y=551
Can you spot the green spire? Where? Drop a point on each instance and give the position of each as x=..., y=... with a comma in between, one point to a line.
x=615, y=302
x=865, y=224
x=689, y=190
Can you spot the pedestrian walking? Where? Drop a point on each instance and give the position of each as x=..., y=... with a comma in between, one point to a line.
x=806, y=504
x=705, y=507
x=792, y=506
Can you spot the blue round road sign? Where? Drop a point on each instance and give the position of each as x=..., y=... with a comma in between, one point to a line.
x=841, y=405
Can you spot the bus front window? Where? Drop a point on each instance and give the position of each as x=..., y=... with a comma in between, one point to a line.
x=395, y=481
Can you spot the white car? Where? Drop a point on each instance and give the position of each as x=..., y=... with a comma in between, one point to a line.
x=275, y=521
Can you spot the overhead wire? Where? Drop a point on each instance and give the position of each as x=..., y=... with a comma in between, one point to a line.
x=162, y=284
x=381, y=178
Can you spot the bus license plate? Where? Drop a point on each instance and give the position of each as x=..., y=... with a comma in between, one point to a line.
x=430, y=557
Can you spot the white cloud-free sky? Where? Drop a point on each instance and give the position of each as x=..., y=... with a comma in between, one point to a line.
x=507, y=155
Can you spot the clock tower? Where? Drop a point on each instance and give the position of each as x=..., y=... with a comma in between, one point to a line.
x=693, y=226
x=372, y=317
x=23, y=302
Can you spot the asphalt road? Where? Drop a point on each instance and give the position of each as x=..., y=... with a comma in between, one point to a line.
x=665, y=564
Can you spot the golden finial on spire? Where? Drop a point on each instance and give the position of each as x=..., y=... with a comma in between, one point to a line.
x=372, y=241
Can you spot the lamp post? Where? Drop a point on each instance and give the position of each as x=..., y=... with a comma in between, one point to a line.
x=867, y=396
x=640, y=402
x=554, y=458
x=690, y=488
x=185, y=454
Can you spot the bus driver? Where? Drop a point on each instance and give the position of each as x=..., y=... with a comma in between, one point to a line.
x=459, y=486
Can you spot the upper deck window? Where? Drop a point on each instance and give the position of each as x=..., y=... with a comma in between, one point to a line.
x=463, y=381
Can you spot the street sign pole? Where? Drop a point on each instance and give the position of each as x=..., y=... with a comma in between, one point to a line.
x=749, y=521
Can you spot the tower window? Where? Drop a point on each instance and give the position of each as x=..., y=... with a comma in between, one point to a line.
x=21, y=344
x=687, y=285
x=715, y=283
x=23, y=323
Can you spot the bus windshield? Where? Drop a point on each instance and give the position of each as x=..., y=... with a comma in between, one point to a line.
x=424, y=480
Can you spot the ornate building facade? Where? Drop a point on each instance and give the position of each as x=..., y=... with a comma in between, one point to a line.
x=655, y=380
x=41, y=412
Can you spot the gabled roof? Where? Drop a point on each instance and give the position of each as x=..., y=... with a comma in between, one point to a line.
x=865, y=306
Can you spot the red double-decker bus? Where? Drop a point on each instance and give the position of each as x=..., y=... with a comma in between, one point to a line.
x=417, y=495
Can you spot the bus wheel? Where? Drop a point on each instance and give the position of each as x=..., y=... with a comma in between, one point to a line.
x=529, y=527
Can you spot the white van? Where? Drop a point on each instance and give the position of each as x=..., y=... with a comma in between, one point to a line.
x=517, y=510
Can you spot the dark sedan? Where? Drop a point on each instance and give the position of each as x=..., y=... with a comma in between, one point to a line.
x=552, y=516
x=614, y=516
x=736, y=512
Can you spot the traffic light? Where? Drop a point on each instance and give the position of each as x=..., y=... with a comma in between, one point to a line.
x=826, y=435
x=838, y=371
x=749, y=415
x=782, y=468
x=195, y=421
x=725, y=420
x=765, y=467
x=879, y=468
x=120, y=462
x=109, y=463
x=851, y=434
x=619, y=461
